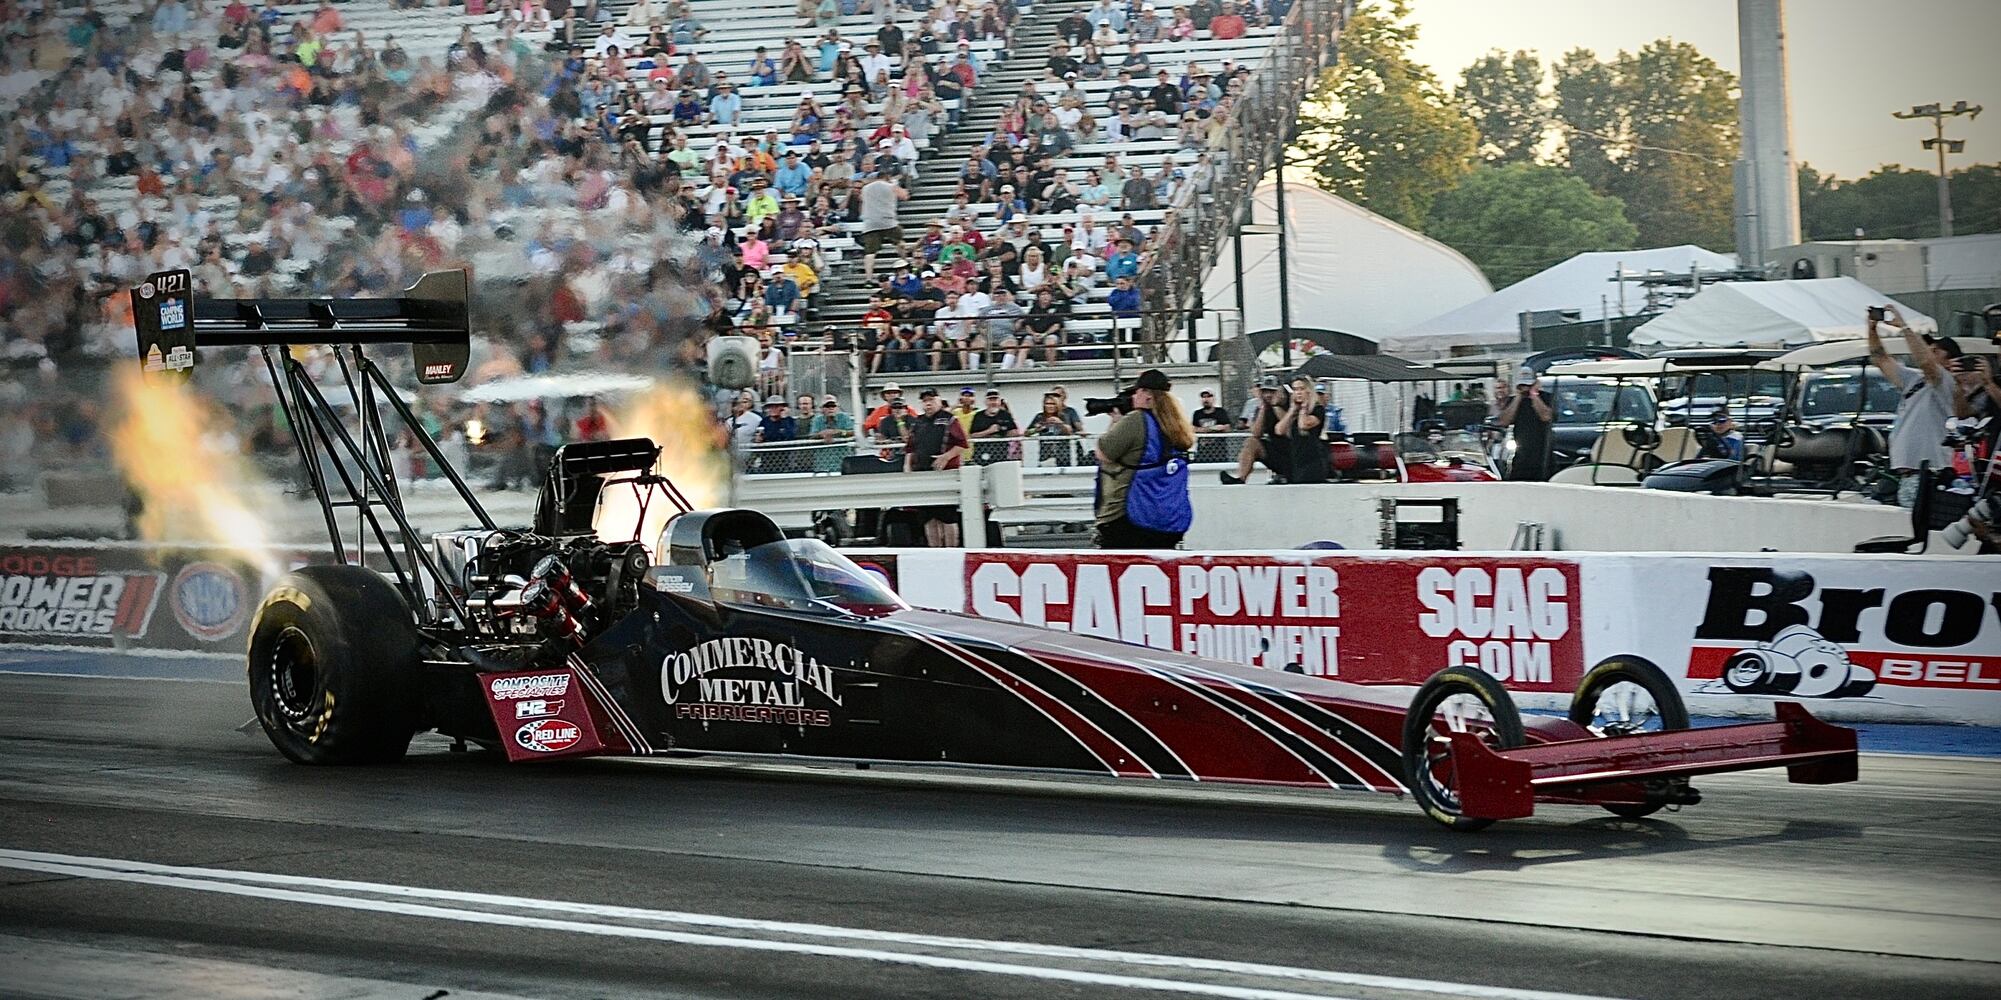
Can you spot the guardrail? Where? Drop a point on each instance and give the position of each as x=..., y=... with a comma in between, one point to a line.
x=1035, y=451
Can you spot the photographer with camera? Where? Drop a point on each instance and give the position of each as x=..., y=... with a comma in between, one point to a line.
x=1929, y=398
x=1143, y=469
x=1529, y=414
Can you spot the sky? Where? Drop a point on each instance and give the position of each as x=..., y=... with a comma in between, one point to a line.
x=1850, y=63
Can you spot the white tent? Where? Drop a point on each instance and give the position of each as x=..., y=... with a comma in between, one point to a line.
x=1771, y=314
x=1352, y=271
x=1587, y=283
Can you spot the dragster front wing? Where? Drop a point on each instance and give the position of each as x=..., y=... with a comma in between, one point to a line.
x=1505, y=784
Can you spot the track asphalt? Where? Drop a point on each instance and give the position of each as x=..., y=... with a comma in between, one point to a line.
x=148, y=849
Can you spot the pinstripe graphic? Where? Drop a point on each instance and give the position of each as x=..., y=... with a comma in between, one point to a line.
x=1042, y=704
x=1328, y=726
x=1277, y=731
x=620, y=721
x=1299, y=749
x=1170, y=767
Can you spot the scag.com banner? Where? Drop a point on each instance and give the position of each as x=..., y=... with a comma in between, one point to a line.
x=1372, y=620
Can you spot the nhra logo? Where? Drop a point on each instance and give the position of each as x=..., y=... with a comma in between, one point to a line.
x=548, y=736
x=531, y=686
x=209, y=600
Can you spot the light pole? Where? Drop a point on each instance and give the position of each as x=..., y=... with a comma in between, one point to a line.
x=1938, y=114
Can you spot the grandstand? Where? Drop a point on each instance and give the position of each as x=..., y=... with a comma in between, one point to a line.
x=341, y=148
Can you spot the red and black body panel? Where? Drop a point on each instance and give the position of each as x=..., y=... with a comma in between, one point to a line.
x=688, y=675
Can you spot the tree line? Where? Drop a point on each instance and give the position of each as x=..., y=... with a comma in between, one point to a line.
x=1525, y=163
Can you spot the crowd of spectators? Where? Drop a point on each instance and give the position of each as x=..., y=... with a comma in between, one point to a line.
x=595, y=170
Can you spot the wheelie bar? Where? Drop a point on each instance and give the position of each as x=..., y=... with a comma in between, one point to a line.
x=1505, y=784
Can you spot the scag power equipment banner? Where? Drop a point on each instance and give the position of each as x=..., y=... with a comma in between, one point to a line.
x=1359, y=618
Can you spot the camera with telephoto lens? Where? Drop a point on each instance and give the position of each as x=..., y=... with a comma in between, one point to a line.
x=1963, y=432
x=1959, y=531
x=1121, y=403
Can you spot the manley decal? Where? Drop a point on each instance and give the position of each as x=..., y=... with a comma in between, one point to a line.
x=749, y=680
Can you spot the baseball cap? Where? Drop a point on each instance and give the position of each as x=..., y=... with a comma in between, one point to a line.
x=1154, y=379
x=967, y=391
x=928, y=394
x=890, y=387
x=775, y=401
x=1720, y=416
x=1206, y=394
x=993, y=394
x=830, y=401
x=1947, y=344
x=1525, y=376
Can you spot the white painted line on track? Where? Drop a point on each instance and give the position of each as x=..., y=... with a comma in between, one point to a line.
x=292, y=888
x=87, y=675
x=147, y=651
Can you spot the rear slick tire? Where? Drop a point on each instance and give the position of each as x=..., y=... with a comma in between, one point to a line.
x=332, y=667
x=1427, y=753
x=1641, y=672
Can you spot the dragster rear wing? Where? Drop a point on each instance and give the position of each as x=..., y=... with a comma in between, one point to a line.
x=432, y=316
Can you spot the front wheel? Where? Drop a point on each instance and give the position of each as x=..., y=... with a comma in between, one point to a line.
x=333, y=659
x=1625, y=695
x=1456, y=699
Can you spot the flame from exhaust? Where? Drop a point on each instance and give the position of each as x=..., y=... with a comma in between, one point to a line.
x=167, y=442
x=680, y=421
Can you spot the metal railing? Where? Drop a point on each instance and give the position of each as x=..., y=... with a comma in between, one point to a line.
x=1032, y=451
x=1254, y=142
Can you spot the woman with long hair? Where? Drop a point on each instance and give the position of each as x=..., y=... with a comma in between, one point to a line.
x=1143, y=470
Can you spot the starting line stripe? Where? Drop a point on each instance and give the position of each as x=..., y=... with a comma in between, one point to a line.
x=276, y=887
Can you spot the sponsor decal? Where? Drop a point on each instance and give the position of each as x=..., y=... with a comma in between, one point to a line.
x=180, y=358
x=438, y=371
x=173, y=314
x=750, y=680
x=209, y=600
x=1373, y=621
x=529, y=686
x=146, y=290
x=548, y=736
x=675, y=585
x=536, y=708
x=1767, y=631
x=52, y=596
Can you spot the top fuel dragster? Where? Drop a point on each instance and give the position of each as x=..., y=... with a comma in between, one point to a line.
x=553, y=640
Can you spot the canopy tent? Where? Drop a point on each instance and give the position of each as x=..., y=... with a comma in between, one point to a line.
x=1771, y=314
x=1371, y=368
x=1351, y=271
x=1587, y=284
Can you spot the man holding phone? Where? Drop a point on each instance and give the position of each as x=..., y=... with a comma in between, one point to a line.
x=1529, y=414
x=1929, y=397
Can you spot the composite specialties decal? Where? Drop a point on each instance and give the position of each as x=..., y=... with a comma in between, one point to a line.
x=750, y=680
x=530, y=686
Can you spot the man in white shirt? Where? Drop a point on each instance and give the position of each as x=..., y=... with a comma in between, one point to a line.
x=898, y=145
x=874, y=61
